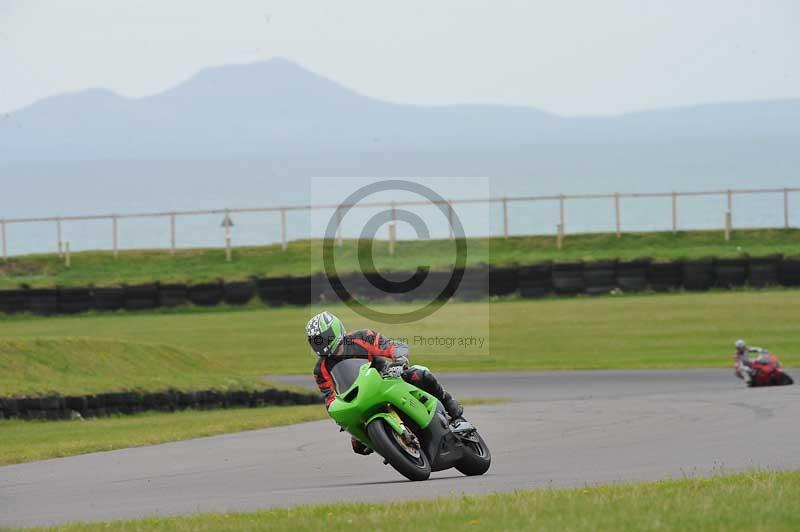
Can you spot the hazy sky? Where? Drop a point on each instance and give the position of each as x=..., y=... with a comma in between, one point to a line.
x=567, y=57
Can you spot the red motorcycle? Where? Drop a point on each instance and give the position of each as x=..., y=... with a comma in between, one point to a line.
x=767, y=371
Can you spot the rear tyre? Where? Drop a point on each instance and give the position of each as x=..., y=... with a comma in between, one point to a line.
x=477, y=458
x=387, y=444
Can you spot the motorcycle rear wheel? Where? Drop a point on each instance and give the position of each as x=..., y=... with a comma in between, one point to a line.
x=477, y=458
x=386, y=444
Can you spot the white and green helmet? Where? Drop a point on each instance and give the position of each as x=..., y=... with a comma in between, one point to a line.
x=325, y=333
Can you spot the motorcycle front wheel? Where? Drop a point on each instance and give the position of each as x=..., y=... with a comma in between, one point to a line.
x=409, y=462
x=477, y=458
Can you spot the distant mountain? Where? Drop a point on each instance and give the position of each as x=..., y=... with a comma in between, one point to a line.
x=278, y=109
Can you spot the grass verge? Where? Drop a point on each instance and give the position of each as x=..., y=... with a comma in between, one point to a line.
x=100, y=268
x=26, y=441
x=69, y=365
x=644, y=331
x=746, y=501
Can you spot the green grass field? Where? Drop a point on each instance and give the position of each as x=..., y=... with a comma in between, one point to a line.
x=301, y=257
x=643, y=331
x=92, y=364
x=24, y=441
x=748, y=501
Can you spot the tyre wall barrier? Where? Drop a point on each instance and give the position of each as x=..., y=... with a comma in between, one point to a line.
x=730, y=273
x=172, y=294
x=503, y=280
x=107, y=404
x=108, y=298
x=789, y=274
x=599, y=277
x=43, y=301
x=568, y=278
x=764, y=271
x=13, y=301
x=474, y=284
x=205, y=294
x=273, y=291
x=536, y=280
x=665, y=276
x=238, y=292
x=632, y=275
x=74, y=300
x=698, y=274
x=141, y=296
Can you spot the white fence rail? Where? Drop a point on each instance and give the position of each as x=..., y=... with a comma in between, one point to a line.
x=281, y=211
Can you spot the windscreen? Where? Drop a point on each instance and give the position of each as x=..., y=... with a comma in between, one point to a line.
x=345, y=373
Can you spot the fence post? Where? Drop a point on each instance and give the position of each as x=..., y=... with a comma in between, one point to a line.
x=227, y=236
x=505, y=217
x=283, y=229
x=786, y=208
x=674, y=212
x=114, y=231
x=561, y=211
x=560, y=236
x=727, y=226
x=58, y=238
x=67, y=257
x=616, y=213
x=5, y=246
x=730, y=202
x=172, y=233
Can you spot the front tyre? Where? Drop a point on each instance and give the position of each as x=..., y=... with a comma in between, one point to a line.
x=477, y=458
x=410, y=464
x=785, y=380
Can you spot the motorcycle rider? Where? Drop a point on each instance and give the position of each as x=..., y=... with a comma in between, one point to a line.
x=741, y=360
x=332, y=344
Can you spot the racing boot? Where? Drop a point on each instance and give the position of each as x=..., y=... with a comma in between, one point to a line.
x=453, y=407
x=421, y=377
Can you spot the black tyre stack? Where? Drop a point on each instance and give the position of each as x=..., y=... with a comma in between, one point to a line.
x=238, y=292
x=503, y=280
x=108, y=299
x=632, y=275
x=568, y=278
x=75, y=300
x=665, y=276
x=730, y=273
x=535, y=280
x=600, y=277
x=698, y=274
x=764, y=271
x=141, y=297
x=13, y=301
x=273, y=291
x=172, y=294
x=790, y=272
x=43, y=301
x=474, y=284
x=205, y=294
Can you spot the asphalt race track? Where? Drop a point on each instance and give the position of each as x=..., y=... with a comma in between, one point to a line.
x=562, y=429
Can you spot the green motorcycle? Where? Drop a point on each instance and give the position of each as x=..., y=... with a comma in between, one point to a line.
x=408, y=427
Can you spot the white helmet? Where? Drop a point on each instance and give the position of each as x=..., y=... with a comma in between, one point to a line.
x=741, y=345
